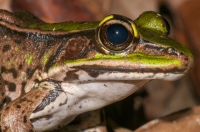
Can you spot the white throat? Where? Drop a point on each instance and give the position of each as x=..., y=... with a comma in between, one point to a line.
x=94, y=95
x=81, y=97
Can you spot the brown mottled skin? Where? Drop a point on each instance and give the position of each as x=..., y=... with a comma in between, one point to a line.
x=22, y=108
x=15, y=44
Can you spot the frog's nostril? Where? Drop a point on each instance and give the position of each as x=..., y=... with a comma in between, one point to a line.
x=172, y=51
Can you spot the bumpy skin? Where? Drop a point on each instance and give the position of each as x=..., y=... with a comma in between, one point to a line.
x=43, y=62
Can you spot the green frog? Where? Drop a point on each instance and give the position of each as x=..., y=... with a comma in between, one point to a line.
x=50, y=73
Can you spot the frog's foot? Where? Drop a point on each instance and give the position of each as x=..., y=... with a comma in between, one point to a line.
x=15, y=117
x=2, y=89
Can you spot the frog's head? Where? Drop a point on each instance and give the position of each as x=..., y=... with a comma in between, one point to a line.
x=122, y=49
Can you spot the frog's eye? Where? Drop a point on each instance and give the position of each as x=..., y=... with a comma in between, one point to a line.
x=167, y=26
x=116, y=34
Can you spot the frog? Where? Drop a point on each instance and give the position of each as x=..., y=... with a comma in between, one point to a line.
x=52, y=72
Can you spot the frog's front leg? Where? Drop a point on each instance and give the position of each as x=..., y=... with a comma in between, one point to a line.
x=15, y=117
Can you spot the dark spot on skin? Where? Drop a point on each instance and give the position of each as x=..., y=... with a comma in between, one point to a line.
x=18, y=41
x=93, y=74
x=6, y=48
x=23, y=111
x=52, y=107
x=80, y=106
x=23, y=88
x=18, y=106
x=25, y=120
x=37, y=96
x=186, y=59
x=11, y=86
x=105, y=85
x=91, y=71
x=25, y=100
x=20, y=66
x=12, y=70
x=29, y=72
x=71, y=75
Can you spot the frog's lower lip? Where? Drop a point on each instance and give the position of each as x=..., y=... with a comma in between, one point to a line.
x=97, y=72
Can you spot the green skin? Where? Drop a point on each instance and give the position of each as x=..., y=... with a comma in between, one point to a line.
x=38, y=58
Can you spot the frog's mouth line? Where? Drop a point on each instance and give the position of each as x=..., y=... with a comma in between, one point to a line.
x=102, y=69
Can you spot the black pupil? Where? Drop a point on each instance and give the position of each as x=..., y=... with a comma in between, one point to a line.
x=117, y=34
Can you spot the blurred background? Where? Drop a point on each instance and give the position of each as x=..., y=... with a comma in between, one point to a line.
x=158, y=98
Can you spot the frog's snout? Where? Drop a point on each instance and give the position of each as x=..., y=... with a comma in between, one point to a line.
x=187, y=61
x=191, y=63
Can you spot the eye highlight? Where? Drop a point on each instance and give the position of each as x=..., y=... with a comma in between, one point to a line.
x=117, y=34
